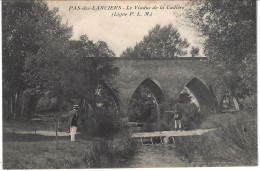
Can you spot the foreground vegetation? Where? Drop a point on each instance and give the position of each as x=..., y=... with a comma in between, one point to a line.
x=234, y=143
x=29, y=151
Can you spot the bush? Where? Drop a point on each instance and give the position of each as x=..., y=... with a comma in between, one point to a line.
x=161, y=125
x=191, y=117
x=110, y=152
x=249, y=102
x=164, y=125
x=49, y=103
x=102, y=123
x=234, y=144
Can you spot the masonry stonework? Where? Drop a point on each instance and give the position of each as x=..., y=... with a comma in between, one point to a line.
x=171, y=75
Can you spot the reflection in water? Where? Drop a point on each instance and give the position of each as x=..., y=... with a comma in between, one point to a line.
x=157, y=155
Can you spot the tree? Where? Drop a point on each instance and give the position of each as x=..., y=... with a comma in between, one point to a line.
x=229, y=28
x=44, y=70
x=92, y=68
x=15, y=42
x=161, y=42
x=194, y=51
x=142, y=106
x=92, y=81
x=33, y=40
x=184, y=97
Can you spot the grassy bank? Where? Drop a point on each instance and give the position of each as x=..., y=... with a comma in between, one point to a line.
x=29, y=151
x=233, y=143
x=23, y=151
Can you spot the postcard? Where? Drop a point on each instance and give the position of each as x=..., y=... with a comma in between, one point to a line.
x=128, y=84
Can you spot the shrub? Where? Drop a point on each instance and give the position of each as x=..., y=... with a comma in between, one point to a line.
x=102, y=123
x=110, y=152
x=250, y=102
x=190, y=114
x=50, y=103
x=161, y=125
x=234, y=144
x=191, y=119
x=164, y=125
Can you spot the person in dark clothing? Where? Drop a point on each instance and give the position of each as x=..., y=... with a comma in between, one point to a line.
x=74, y=123
x=177, y=119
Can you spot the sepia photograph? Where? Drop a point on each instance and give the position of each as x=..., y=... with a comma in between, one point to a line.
x=128, y=84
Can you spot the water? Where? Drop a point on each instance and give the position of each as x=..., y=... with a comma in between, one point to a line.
x=157, y=155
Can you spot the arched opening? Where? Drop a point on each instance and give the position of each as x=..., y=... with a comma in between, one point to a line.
x=203, y=95
x=195, y=101
x=105, y=99
x=102, y=112
x=189, y=108
x=112, y=94
x=144, y=106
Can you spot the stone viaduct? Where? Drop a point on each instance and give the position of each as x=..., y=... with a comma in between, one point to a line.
x=166, y=78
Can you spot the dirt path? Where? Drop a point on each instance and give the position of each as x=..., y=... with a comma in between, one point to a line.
x=44, y=133
x=135, y=135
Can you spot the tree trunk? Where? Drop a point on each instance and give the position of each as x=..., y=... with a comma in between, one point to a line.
x=32, y=103
x=85, y=105
x=11, y=111
x=22, y=104
x=8, y=111
x=60, y=103
x=15, y=104
x=18, y=108
x=94, y=103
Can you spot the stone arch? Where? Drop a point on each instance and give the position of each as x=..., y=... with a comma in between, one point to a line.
x=156, y=91
x=112, y=94
x=204, y=94
x=155, y=87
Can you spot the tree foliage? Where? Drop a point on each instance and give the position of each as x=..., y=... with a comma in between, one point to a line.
x=161, y=42
x=39, y=57
x=229, y=28
x=91, y=80
x=93, y=66
x=184, y=98
x=142, y=106
x=34, y=39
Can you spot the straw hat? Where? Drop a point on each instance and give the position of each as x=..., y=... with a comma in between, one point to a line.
x=76, y=107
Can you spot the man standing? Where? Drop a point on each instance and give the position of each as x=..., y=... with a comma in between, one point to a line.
x=74, y=122
x=177, y=120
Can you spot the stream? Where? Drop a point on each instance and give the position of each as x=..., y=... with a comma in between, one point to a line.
x=157, y=155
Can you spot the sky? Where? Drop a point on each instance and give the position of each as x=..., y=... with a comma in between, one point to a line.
x=125, y=31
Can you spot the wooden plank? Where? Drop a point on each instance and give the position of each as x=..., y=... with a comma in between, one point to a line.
x=171, y=133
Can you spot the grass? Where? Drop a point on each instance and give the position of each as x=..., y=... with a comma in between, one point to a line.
x=234, y=143
x=47, y=124
x=41, y=152
x=219, y=120
x=29, y=151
